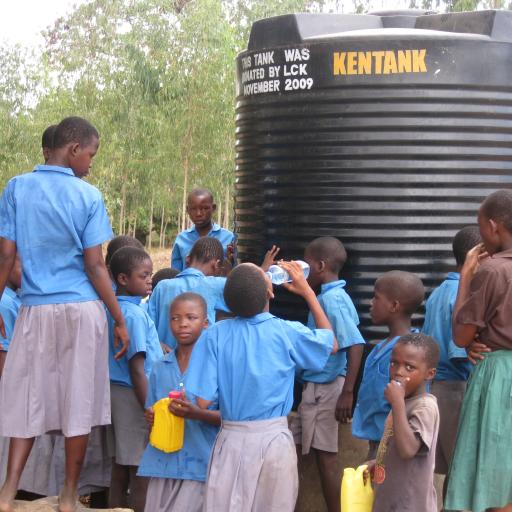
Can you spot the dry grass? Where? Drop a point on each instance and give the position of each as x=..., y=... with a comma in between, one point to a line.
x=161, y=258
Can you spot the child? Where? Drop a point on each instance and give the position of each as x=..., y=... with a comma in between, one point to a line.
x=454, y=368
x=9, y=307
x=47, y=141
x=397, y=295
x=177, y=478
x=480, y=476
x=162, y=274
x=403, y=472
x=200, y=277
x=117, y=243
x=131, y=269
x=57, y=223
x=248, y=364
x=328, y=394
x=200, y=208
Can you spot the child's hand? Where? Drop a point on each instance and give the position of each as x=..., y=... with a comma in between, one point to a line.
x=368, y=472
x=270, y=257
x=475, y=351
x=150, y=417
x=299, y=285
x=473, y=259
x=121, y=337
x=343, y=411
x=183, y=408
x=394, y=392
x=166, y=349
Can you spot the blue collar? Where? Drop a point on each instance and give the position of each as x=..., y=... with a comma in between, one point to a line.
x=190, y=271
x=129, y=298
x=10, y=293
x=170, y=357
x=215, y=227
x=453, y=276
x=333, y=284
x=56, y=168
x=260, y=317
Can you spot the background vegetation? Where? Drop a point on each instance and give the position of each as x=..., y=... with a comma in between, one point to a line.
x=157, y=79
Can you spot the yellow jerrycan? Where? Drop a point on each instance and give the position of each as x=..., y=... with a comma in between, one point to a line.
x=355, y=495
x=168, y=429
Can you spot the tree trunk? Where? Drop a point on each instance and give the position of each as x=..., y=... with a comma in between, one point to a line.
x=122, y=209
x=219, y=214
x=135, y=226
x=226, y=210
x=161, y=244
x=150, y=221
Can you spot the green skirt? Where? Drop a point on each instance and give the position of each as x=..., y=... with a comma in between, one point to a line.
x=480, y=475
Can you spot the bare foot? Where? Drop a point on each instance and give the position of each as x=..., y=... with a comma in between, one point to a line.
x=68, y=501
x=6, y=500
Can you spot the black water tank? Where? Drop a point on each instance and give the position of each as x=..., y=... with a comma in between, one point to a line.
x=387, y=138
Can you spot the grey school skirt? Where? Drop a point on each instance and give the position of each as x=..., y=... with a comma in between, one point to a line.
x=56, y=372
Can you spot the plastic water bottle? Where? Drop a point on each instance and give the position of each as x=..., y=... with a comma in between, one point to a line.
x=279, y=275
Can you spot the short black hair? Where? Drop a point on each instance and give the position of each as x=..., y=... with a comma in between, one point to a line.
x=464, y=241
x=121, y=241
x=330, y=250
x=164, y=273
x=426, y=343
x=47, y=138
x=498, y=207
x=207, y=249
x=245, y=291
x=404, y=287
x=126, y=259
x=74, y=129
x=190, y=297
x=200, y=192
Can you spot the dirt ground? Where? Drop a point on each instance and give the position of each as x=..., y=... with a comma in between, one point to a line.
x=50, y=505
x=161, y=258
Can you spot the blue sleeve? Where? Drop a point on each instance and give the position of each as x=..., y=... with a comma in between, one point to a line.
x=219, y=284
x=8, y=213
x=202, y=375
x=137, y=331
x=152, y=396
x=176, y=261
x=310, y=347
x=152, y=305
x=98, y=228
x=454, y=352
x=344, y=322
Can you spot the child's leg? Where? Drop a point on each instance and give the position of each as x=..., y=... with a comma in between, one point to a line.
x=329, y=478
x=75, y=448
x=19, y=450
x=3, y=355
x=138, y=490
x=119, y=486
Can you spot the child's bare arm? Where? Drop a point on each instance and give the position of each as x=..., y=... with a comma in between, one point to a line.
x=407, y=443
x=204, y=404
x=139, y=380
x=345, y=402
x=98, y=274
x=300, y=286
x=7, y=259
x=187, y=409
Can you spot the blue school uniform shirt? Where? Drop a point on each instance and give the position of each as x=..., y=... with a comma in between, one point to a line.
x=9, y=307
x=248, y=364
x=186, y=239
x=342, y=314
x=190, y=280
x=143, y=338
x=372, y=408
x=453, y=362
x=191, y=462
x=53, y=216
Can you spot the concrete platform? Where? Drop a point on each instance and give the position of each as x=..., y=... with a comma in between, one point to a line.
x=50, y=505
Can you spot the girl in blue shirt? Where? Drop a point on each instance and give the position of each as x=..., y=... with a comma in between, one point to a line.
x=177, y=478
x=131, y=269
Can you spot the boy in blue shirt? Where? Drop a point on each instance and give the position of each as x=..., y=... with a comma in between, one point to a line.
x=131, y=269
x=328, y=395
x=177, y=478
x=57, y=223
x=453, y=369
x=397, y=295
x=9, y=307
x=248, y=364
x=200, y=208
x=200, y=277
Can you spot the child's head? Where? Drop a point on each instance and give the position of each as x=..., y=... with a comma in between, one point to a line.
x=396, y=293
x=207, y=255
x=77, y=141
x=188, y=317
x=247, y=290
x=47, y=141
x=131, y=269
x=120, y=241
x=162, y=274
x=325, y=256
x=464, y=241
x=495, y=220
x=413, y=361
x=200, y=207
